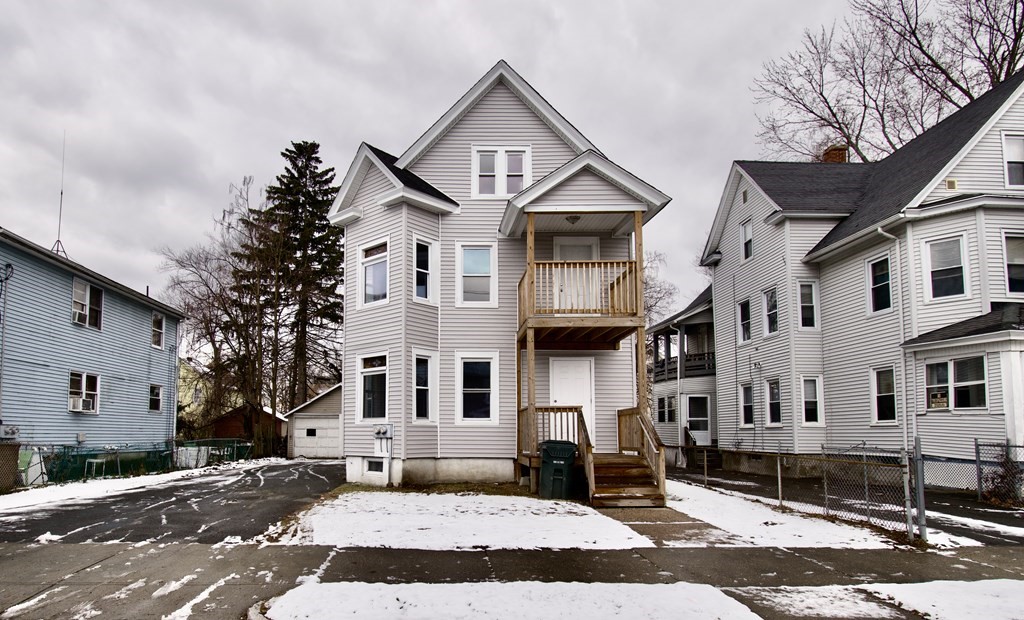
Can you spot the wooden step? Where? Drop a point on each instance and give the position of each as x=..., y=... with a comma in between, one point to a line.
x=622, y=472
x=640, y=489
x=655, y=500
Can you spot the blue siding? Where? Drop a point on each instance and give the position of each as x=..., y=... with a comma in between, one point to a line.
x=43, y=346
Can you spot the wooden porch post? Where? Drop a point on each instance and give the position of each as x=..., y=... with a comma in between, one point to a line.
x=641, y=332
x=531, y=404
x=531, y=266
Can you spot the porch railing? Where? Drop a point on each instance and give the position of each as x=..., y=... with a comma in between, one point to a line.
x=607, y=288
x=637, y=434
x=549, y=423
x=699, y=364
x=586, y=451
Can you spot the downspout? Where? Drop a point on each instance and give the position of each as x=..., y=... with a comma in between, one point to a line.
x=8, y=273
x=903, y=370
x=437, y=373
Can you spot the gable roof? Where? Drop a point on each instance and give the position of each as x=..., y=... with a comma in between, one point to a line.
x=700, y=303
x=333, y=388
x=408, y=187
x=902, y=179
x=1003, y=317
x=76, y=269
x=500, y=72
x=809, y=187
x=513, y=220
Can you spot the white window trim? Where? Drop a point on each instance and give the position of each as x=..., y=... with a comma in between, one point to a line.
x=163, y=331
x=433, y=385
x=926, y=259
x=463, y=356
x=821, y=402
x=873, y=379
x=951, y=384
x=743, y=227
x=433, y=274
x=88, y=299
x=493, y=302
x=815, y=299
x=361, y=264
x=161, y=397
x=869, y=310
x=1019, y=234
x=767, y=404
x=739, y=399
x=739, y=323
x=366, y=466
x=1006, y=173
x=360, y=371
x=99, y=390
x=500, y=169
x=764, y=313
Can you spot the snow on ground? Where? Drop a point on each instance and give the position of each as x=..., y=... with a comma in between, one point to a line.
x=752, y=523
x=479, y=601
x=102, y=487
x=458, y=522
x=954, y=600
x=974, y=524
x=818, y=602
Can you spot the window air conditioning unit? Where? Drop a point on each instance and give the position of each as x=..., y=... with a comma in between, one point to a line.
x=87, y=404
x=75, y=404
x=79, y=317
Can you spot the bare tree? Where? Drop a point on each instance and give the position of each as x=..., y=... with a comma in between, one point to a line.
x=882, y=77
x=659, y=294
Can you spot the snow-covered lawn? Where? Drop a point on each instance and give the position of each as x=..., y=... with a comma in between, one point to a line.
x=750, y=523
x=521, y=599
x=458, y=522
x=98, y=488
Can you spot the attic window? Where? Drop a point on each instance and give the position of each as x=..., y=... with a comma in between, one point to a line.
x=500, y=171
x=1013, y=149
x=744, y=196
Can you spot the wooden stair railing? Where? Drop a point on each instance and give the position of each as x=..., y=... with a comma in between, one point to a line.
x=637, y=434
x=586, y=451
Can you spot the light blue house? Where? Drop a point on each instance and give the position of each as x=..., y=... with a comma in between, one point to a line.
x=84, y=360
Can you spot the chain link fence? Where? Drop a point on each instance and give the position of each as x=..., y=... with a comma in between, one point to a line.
x=1000, y=473
x=203, y=452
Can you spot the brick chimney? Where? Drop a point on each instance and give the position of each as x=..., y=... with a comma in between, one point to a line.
x=836, y=154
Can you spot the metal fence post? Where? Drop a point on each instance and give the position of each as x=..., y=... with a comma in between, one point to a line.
x=867, y=490
x=977, y=465
x=908, y=505
x=922, y=525
x=778, y=473
x=824, y=478
x=705, y=468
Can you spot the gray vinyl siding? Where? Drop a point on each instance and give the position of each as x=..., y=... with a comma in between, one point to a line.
x=982, y=169
x=854, y=343
x=611, y=248
x=998, y=222
x=327, y=408
x=668, y=431
x=763, y=357
x=421, y=332
x=43, y=346
x=376, y=329
x=934, y=314
x=588, y=190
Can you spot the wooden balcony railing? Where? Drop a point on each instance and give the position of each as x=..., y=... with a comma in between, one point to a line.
x=548, y=423
x=605, y=288
x=699, y=364
x=665, y=369
x=637, y=434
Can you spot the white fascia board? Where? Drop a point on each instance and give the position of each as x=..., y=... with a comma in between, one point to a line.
x=732, y=182
x=777, y=217
x=417, y=199
x=930, y=187
x=314, y=399
x=966, y=204
x=499, y=72
x=341, y=212
x=845, y=243
x=681, y=319
x=1002, y=336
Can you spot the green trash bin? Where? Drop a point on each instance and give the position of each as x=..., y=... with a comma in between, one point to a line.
x=556, y=460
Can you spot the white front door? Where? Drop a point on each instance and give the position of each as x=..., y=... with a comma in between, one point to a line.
x=577, y=285
x=698, y=418
x=572, y=385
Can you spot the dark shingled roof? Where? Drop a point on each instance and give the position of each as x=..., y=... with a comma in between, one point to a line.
x=408, y=178
x=1004, y=317
x=701, y=299
x=810, y=187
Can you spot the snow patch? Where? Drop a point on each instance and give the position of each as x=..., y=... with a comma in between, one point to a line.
x=818, y=602
x=125, y=591
x=169, y=587
x=16, y=610
x=954, y=600
x=184, y=612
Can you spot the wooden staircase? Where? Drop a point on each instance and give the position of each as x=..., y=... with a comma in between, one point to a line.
x=623, y=480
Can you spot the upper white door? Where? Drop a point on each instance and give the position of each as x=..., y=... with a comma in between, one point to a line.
x=577, y=285
x=572, y=385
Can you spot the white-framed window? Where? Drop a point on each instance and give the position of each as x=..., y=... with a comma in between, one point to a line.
x=373, y=273
x=1013, y=156
x=477, y=272
x=86, y=304
x=1013, y=250
x=811, y=399
x=743, y=320
x=883, y=395
x=374, y=466
x=666, y=409
x=156, y=400
x=808, y=291
x=157, y=338
x=83, y=392
x=947, y=275
x=373, y=387
x=770, y=299
x=500, y=171
x=425, y=385
x=747, y=239
x=425, y=262
x=746, y=404
x=476, y=387
x=969, y=389
x=879, y=285
x=773, y=396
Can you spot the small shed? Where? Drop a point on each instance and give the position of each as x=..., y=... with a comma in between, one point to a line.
x=316, y=426
x=266, y=430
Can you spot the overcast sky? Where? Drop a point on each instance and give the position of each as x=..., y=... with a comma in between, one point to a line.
x=166, y=104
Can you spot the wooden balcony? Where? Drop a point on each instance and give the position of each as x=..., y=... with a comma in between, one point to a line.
x=699, y=364
x=580, y=304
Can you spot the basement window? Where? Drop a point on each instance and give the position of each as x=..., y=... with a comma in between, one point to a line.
x=375, y=466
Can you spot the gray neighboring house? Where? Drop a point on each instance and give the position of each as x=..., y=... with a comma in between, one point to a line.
x=314, y=427
x=876, y=302
x=84, y=360
x=495, y=298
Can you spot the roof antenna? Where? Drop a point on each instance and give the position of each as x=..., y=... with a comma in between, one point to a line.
x=58, y=247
